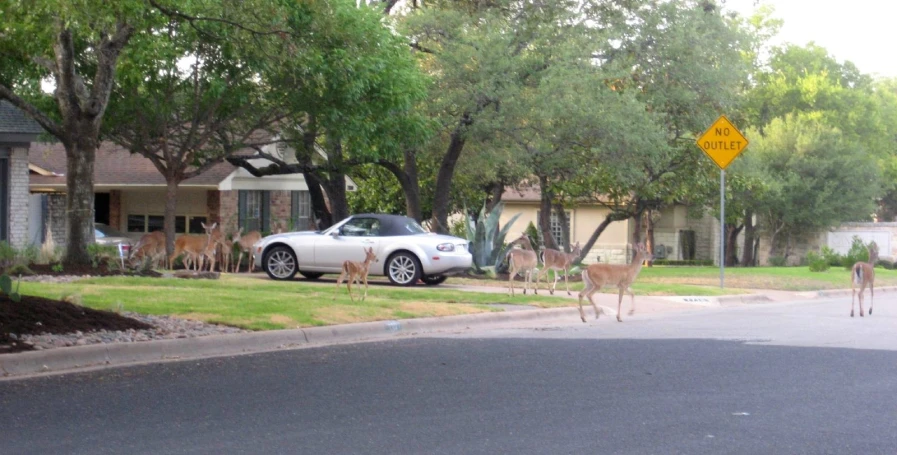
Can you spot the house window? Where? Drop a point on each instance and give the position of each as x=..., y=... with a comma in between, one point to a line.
x=150, y=223
x=555, y=227
x=254, y=208
x=4, y=194
x=300, y=214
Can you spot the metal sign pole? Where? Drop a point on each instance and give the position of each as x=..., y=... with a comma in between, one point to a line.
x=722, y=227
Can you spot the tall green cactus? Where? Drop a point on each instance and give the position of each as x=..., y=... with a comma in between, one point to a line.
x=485, y=237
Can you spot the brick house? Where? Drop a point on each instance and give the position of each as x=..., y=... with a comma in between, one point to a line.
x=130, y=195
x=17, y=132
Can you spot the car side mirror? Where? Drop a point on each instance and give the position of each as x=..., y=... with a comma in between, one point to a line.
x=335, y=233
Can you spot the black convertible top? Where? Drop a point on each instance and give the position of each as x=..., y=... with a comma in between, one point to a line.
x=391, y=225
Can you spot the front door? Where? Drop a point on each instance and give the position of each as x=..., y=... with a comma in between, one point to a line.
x=4, y=194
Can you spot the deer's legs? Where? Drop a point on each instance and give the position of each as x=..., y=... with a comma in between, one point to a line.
x=567, y=281
x=620, y=304
x=365, y=288
x=871, y=297
x=632, y=296
x=853, y=294
x=511, y=274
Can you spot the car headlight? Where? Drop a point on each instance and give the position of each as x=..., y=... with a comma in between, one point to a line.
x=445, y=247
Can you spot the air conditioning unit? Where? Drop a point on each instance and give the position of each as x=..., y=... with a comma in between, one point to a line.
x=660, y=252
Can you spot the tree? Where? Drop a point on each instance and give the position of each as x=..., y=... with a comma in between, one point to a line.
x=816, y=178
x=77, y=47
x=187, y=102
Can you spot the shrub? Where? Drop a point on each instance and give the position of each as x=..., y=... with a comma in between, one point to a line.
x=686, y=262
x=777, y=261
x=102, y=254
x=6, y=288
x=858, y=252
x=831, y=257
x=817, y=262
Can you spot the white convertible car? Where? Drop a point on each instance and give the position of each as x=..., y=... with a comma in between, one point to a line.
x=406, y=252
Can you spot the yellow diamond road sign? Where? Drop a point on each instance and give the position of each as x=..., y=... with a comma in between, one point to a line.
x=722, y=142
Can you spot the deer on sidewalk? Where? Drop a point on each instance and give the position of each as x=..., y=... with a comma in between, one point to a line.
x=357, y=272
x=194, y=246
x=863, y=274
x=596, y=276
x=244, y=243
x=558, y=260
x=524, y=261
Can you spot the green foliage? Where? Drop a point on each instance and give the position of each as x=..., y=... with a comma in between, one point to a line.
x=485, y=237
x=830, y=256
x=858, y=252
x=534, y=234
x=817, y=262
x=7, y=255
x=103, y=254
x=777, y=261
x=58, y=268
x=6, y=288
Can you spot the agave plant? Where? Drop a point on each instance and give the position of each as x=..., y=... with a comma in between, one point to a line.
x=486, y=239
x=6, y=288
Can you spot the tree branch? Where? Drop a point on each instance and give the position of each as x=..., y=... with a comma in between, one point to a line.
x=45, y=122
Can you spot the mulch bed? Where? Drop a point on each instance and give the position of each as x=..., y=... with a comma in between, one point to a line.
x=36, y=315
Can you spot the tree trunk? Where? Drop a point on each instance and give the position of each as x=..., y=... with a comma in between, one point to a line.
x=545, y=215
x=446, y=174
x=637, y=229
x=747, y=256
x=407, y=177
x=171, y=204
x=610, y=218
x=649, y=235
x=565, y=226
x=732, y=244
x=79, y=197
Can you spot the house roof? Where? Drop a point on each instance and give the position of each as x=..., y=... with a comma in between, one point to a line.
x=114, y=166
x=526, y=193
x=13, y=120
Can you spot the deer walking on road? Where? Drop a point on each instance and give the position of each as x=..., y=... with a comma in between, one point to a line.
x=596, y=276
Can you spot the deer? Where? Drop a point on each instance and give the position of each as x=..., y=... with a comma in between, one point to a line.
x=216, y=238
x=245, y=242
x=193, y=245
x=522, y=260
x=596, y=276
x=863, y=275
x=227, y=252
x=357, y=272
x=152, y=246
x=558, y=260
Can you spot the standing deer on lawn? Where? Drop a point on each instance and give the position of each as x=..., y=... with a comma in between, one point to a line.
x=357, y=272
x=522, y=260
x=863, y=274
x=597, y=276
x=244, y=243
x=558, y=260
x=194, y=246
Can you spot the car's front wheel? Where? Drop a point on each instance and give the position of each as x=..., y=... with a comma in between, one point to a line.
x=280, y=263
x=433, y=280
x=311, y=275
x=403, y=269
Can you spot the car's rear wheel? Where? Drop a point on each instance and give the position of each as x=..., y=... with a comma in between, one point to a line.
x=403, y=269
x=311, y=275
x=433, y=280
x=280, y=263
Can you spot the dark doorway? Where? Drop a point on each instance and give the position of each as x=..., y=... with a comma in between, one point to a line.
x=101, y=202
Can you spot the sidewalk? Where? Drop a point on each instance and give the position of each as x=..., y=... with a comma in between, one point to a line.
x=84, y=358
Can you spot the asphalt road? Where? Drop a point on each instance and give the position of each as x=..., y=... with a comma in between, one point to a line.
x=789, y=378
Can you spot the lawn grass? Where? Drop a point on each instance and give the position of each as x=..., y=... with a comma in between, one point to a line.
x=262, y=304
x=257, y=303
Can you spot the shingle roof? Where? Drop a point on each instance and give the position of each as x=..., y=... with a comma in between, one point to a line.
x=114, y=166
x=13, y=120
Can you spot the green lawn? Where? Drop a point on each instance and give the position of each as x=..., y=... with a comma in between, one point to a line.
x=261, y=304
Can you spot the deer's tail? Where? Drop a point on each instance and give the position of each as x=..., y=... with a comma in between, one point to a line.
x=857, y=274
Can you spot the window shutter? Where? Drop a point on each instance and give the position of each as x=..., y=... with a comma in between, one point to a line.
x=266, y=212
x=241, y=210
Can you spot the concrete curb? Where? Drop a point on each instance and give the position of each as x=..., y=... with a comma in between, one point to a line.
x=79, y=358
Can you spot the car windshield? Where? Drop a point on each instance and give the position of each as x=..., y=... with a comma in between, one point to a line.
x=413, y=227
x=102, y=230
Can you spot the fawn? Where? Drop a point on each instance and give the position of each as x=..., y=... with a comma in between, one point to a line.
x=524, y=261
x=356, y=271
x=558, y=260
x=244, y=243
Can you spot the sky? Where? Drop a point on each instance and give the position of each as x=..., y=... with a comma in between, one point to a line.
x=861, y=31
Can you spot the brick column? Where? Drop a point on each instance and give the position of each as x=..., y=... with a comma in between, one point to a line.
x=227, y=210
x=115, y=209
x=18, y=197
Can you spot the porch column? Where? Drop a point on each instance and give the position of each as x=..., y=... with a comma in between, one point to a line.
x=115, y=209
x=18, y=197
x=213, y=205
